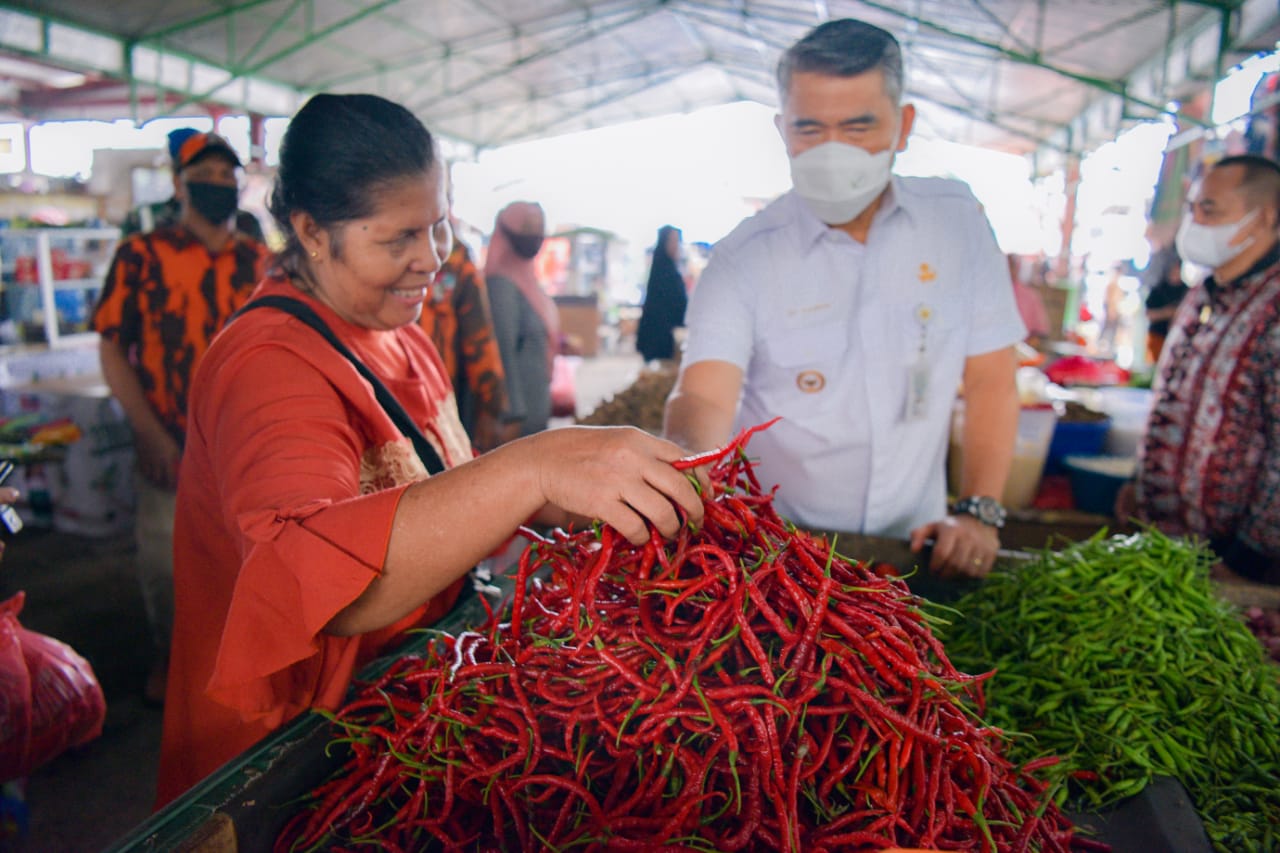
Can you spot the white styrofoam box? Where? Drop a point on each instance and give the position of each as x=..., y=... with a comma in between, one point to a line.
x=92, y=487
x=34, y=366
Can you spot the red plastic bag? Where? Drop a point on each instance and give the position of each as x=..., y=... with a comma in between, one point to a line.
x=1081, y=370
x=15, y=692
x=51, y=702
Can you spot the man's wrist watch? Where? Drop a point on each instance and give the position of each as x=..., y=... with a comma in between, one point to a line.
x=985, y=509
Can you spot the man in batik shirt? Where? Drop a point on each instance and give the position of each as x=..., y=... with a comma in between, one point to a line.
x=1209, y=465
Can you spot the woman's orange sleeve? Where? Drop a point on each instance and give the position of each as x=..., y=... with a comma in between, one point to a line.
x=290, y=452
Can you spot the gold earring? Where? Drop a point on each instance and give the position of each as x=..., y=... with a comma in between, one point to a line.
x=315, y=255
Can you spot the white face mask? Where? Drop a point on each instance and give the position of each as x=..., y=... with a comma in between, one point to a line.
x=1209, y=245
x=840, y=181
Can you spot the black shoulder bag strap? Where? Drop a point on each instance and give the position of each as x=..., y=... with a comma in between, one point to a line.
x=386, y=399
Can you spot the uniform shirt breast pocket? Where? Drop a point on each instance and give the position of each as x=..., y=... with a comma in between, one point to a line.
x=803, y=369
x=930, y=356
x=938, y=324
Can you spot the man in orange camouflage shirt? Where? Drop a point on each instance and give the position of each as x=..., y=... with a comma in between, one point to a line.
x=167, y=293
x=456, y=318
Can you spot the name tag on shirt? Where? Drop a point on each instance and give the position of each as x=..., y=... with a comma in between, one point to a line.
x=918, y=371
x=917, y=390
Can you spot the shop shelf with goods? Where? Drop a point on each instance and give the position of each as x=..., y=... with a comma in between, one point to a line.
x=50, y=282
x=579, y=267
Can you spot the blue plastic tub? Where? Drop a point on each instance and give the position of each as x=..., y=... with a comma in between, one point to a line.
x=1075, y=438
x=1096, y=480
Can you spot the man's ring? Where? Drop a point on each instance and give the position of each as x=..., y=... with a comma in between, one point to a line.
x=977, y=561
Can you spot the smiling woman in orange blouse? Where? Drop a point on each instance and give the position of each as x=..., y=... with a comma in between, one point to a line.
x=316, y=522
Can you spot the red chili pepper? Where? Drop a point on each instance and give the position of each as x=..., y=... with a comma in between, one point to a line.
x=711, y=456
x=743, y=687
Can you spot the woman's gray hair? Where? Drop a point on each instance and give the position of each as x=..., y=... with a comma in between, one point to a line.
x=844, y=48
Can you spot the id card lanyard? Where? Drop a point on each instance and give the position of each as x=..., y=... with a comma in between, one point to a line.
x=918, y=370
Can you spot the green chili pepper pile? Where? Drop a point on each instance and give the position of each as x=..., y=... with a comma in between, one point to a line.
x=1117, y=655
x=740, y=688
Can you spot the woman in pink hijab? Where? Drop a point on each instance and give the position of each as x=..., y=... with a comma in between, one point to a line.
x=525, y=319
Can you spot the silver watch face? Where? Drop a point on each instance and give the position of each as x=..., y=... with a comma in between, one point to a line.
x=987, y=510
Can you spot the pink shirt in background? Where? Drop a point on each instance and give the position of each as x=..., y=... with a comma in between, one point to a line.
x=1031, y=307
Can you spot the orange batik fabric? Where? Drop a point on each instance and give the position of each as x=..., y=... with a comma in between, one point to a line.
x=456, y=317
x=164, y=298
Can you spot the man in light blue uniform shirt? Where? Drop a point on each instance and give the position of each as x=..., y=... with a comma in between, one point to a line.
x=854, y=306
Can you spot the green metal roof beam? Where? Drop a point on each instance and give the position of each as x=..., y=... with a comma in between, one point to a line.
x=479, y=41
x=1031, y=101
x=950, y=83
x=301, y=44
x=755, y=74
x=376, y=65
x=1004, y=28
x=378, y=69
x=234, y=61
x=230, y=25
x=690, y=33
x=1220, y=5
x=345, y=53
x=703, y=16
x=989, y=119
x=538, y=55
x=1224, y=44
x=269, y=32
x=611, y=98
x=200, y=20
x=400, y=22
x=126, y=47
x=971, y=112
x=1041, y=15
x=1136, y=17
x=42, y=53
x=1111, y=87
x=569, y=86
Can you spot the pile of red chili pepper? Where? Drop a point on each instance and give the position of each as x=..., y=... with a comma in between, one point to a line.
x=739, y=688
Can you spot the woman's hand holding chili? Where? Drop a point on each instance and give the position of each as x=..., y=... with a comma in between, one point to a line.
x=620, y=475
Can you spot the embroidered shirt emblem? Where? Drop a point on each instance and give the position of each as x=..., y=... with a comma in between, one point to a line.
x=810, y=381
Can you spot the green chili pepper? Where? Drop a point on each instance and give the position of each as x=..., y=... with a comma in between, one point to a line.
x=1117, y=655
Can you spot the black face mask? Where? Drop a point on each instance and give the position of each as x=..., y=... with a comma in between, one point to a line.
x=215, y=202
x=526, y=246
